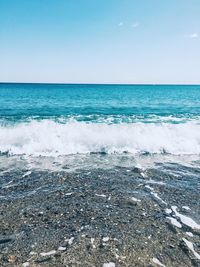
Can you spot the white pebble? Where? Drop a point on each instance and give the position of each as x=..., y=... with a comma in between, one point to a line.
x=109, y=264
x=69, y=194
x=32, y=253
x=70, y=241
x=105, y=239
x=100, y=195
x=48, y=253
x=92, y=242
x=62, y=248
x=135, y=199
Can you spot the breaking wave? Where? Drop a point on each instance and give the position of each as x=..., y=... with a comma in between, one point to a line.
x=49, y=138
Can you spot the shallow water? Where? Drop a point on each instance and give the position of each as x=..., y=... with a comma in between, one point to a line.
x=58, y=210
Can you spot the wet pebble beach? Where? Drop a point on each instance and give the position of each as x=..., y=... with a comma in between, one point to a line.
x=102, y=217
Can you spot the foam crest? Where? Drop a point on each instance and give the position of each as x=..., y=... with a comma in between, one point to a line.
x=48, y=137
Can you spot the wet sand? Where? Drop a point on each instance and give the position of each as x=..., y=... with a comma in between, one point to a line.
x=97, y=217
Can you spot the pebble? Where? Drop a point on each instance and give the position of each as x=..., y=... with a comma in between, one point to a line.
x=25, y=264
x=48, y=253
x=62, y=248
x=105, y=239
x=11, y=258
x=109, y=264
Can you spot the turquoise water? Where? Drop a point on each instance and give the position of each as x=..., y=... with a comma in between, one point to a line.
x=67, y=119
x=54, y=99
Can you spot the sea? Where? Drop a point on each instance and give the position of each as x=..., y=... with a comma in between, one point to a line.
x=103, y=147
x=60, y=120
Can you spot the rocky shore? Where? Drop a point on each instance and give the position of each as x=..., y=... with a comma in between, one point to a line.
x=104, y=218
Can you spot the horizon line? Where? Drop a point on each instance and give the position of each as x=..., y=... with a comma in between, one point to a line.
x=78, y=83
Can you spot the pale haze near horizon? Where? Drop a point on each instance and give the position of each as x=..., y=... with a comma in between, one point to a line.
x=100, y=41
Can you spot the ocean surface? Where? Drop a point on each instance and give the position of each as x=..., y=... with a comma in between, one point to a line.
x=54, y=120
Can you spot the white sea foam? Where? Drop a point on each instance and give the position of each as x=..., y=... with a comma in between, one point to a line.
x=48, y=137
x=174, y=222
x=155, y=182
x=168, y=211
x=189, y=234
x=186, y=208
x=156, y=261
x=191, y=247
x=27, y=173
x=185, y=219
x=157, y=197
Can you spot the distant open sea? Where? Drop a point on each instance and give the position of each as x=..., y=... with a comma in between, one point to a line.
x=59, y=119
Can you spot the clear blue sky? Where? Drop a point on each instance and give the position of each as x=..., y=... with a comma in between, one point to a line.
x=100, y=41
